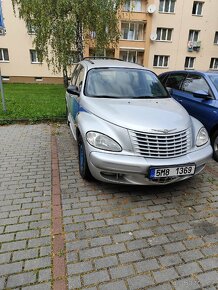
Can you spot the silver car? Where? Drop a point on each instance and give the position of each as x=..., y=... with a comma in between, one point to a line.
x=127, y=127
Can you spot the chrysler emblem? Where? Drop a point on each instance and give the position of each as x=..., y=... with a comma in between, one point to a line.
x=165, y=131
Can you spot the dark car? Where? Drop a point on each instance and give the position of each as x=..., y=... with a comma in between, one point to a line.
x=198, y=93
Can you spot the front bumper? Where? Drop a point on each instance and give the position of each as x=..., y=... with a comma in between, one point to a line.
x=129, y=169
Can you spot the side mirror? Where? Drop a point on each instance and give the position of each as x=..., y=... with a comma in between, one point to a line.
x=73, y=90
x=201, y=94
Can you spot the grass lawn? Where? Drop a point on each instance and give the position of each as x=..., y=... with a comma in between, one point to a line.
x=32, y=102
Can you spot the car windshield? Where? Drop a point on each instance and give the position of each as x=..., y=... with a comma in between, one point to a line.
x=123, y=83
x=214, y=79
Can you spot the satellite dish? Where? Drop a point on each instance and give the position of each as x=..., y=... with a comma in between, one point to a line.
x=153, y=36
x=151, y=9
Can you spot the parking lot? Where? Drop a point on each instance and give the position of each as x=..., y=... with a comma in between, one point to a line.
x=58, y=231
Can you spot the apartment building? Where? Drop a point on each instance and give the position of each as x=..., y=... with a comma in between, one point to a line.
x=159, y=34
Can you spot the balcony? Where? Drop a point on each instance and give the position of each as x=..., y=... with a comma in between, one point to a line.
x=194, y=46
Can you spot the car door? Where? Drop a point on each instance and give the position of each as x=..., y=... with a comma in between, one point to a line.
x=73, y=100
x=202, y=108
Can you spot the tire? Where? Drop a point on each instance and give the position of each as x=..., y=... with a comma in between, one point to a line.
x=214, y=143
x=83, y=165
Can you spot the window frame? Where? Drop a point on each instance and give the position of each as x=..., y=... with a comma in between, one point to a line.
x=165, y=57
x=167, y=34
x=2, y=53
x=36, y=56
x=197, y=3
x=215, y=38
x=192, y=34
x=213, y=63
x=131, y=6
x=128, y=51
x=136, y=31
x=191, y=75
x=189, y=58
x=169, y=8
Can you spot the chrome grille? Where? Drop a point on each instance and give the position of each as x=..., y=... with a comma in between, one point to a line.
x=161, y=145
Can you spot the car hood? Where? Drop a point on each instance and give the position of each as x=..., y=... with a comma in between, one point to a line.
x=140, y=114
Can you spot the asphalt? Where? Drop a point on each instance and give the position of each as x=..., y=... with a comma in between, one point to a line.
x=60, y=232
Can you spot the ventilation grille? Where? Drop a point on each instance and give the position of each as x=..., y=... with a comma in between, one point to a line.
x=161, y=145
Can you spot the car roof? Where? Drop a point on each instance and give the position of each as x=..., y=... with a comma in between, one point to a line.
x=192, y=72
x=100, y=63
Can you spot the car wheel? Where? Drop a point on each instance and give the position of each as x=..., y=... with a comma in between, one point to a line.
x=214, y=142
x=83, y=165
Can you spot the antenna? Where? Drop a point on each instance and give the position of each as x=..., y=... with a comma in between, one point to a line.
x=151, y=9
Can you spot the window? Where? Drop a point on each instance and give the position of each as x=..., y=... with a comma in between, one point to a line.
x=194, y=83
x=132, y=31
x=193, y=35
x=164, y=34
x=133, y=5
x=31, y=29
x=80, y=78
x=161, y=61
x=167, y=6
x=4, y=56
x=132, y=56
x=174, y=81
x=197, y=8
x=216, y=38
x=109, y=52
x=189, y=62
x=214, y=63
x=39, y=79
x=34, y=56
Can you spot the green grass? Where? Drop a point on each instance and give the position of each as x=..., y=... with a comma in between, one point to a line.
x=32, y=102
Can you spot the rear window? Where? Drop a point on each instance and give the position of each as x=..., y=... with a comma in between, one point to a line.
x=123, y=83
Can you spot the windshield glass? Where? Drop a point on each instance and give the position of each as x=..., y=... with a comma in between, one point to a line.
x=123, y=83
x=214, y=79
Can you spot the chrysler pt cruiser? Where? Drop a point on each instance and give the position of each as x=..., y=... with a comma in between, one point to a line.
x=127, y=127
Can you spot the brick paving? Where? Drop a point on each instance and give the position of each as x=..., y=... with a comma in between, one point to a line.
x=116, y=237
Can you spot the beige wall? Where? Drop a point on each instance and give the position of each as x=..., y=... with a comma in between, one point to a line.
x=182, y=21
x=19, y=42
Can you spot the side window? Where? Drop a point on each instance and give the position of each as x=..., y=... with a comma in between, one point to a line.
x=195, y=83
x=163, y=78
x=75, y=74
x=174, y=81
x=80, y=78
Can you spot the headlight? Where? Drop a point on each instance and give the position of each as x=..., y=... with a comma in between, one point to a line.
x=202, y=137
x=103, y=142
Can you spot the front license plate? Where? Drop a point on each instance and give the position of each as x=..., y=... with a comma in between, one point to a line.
x=157, y=172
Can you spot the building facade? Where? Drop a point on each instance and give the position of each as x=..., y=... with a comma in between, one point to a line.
x=159, y=34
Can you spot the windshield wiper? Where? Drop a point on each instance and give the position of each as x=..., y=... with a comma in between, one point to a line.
x=150, y=97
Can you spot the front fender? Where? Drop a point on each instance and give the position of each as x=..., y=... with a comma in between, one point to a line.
x=88, y=122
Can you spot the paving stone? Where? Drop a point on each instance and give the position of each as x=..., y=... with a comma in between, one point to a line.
x=96, y=277
x=192, y=255
x=114, y=249
x=100, y=241
x=121, y=271
x=188, y=269
x=165, y=275
x=5, y=258
x=186, y=284
x=118, y=285
x=44, y=275
x=130, y=257
x=37, y=263
x=21, y=279
x=106, y=262
x=209, y=264
x=139, y=282
x=78, y=268
x=170, y=260
x=44, y=286
x=10, y=268
x=174, y=247
x=147, y=265
x=90, y=253
x=208, y=278
x=25, y=254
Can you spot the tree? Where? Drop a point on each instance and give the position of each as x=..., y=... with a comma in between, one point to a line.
x=62, y=27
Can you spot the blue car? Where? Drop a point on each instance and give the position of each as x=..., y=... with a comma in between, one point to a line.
x=198, y=92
